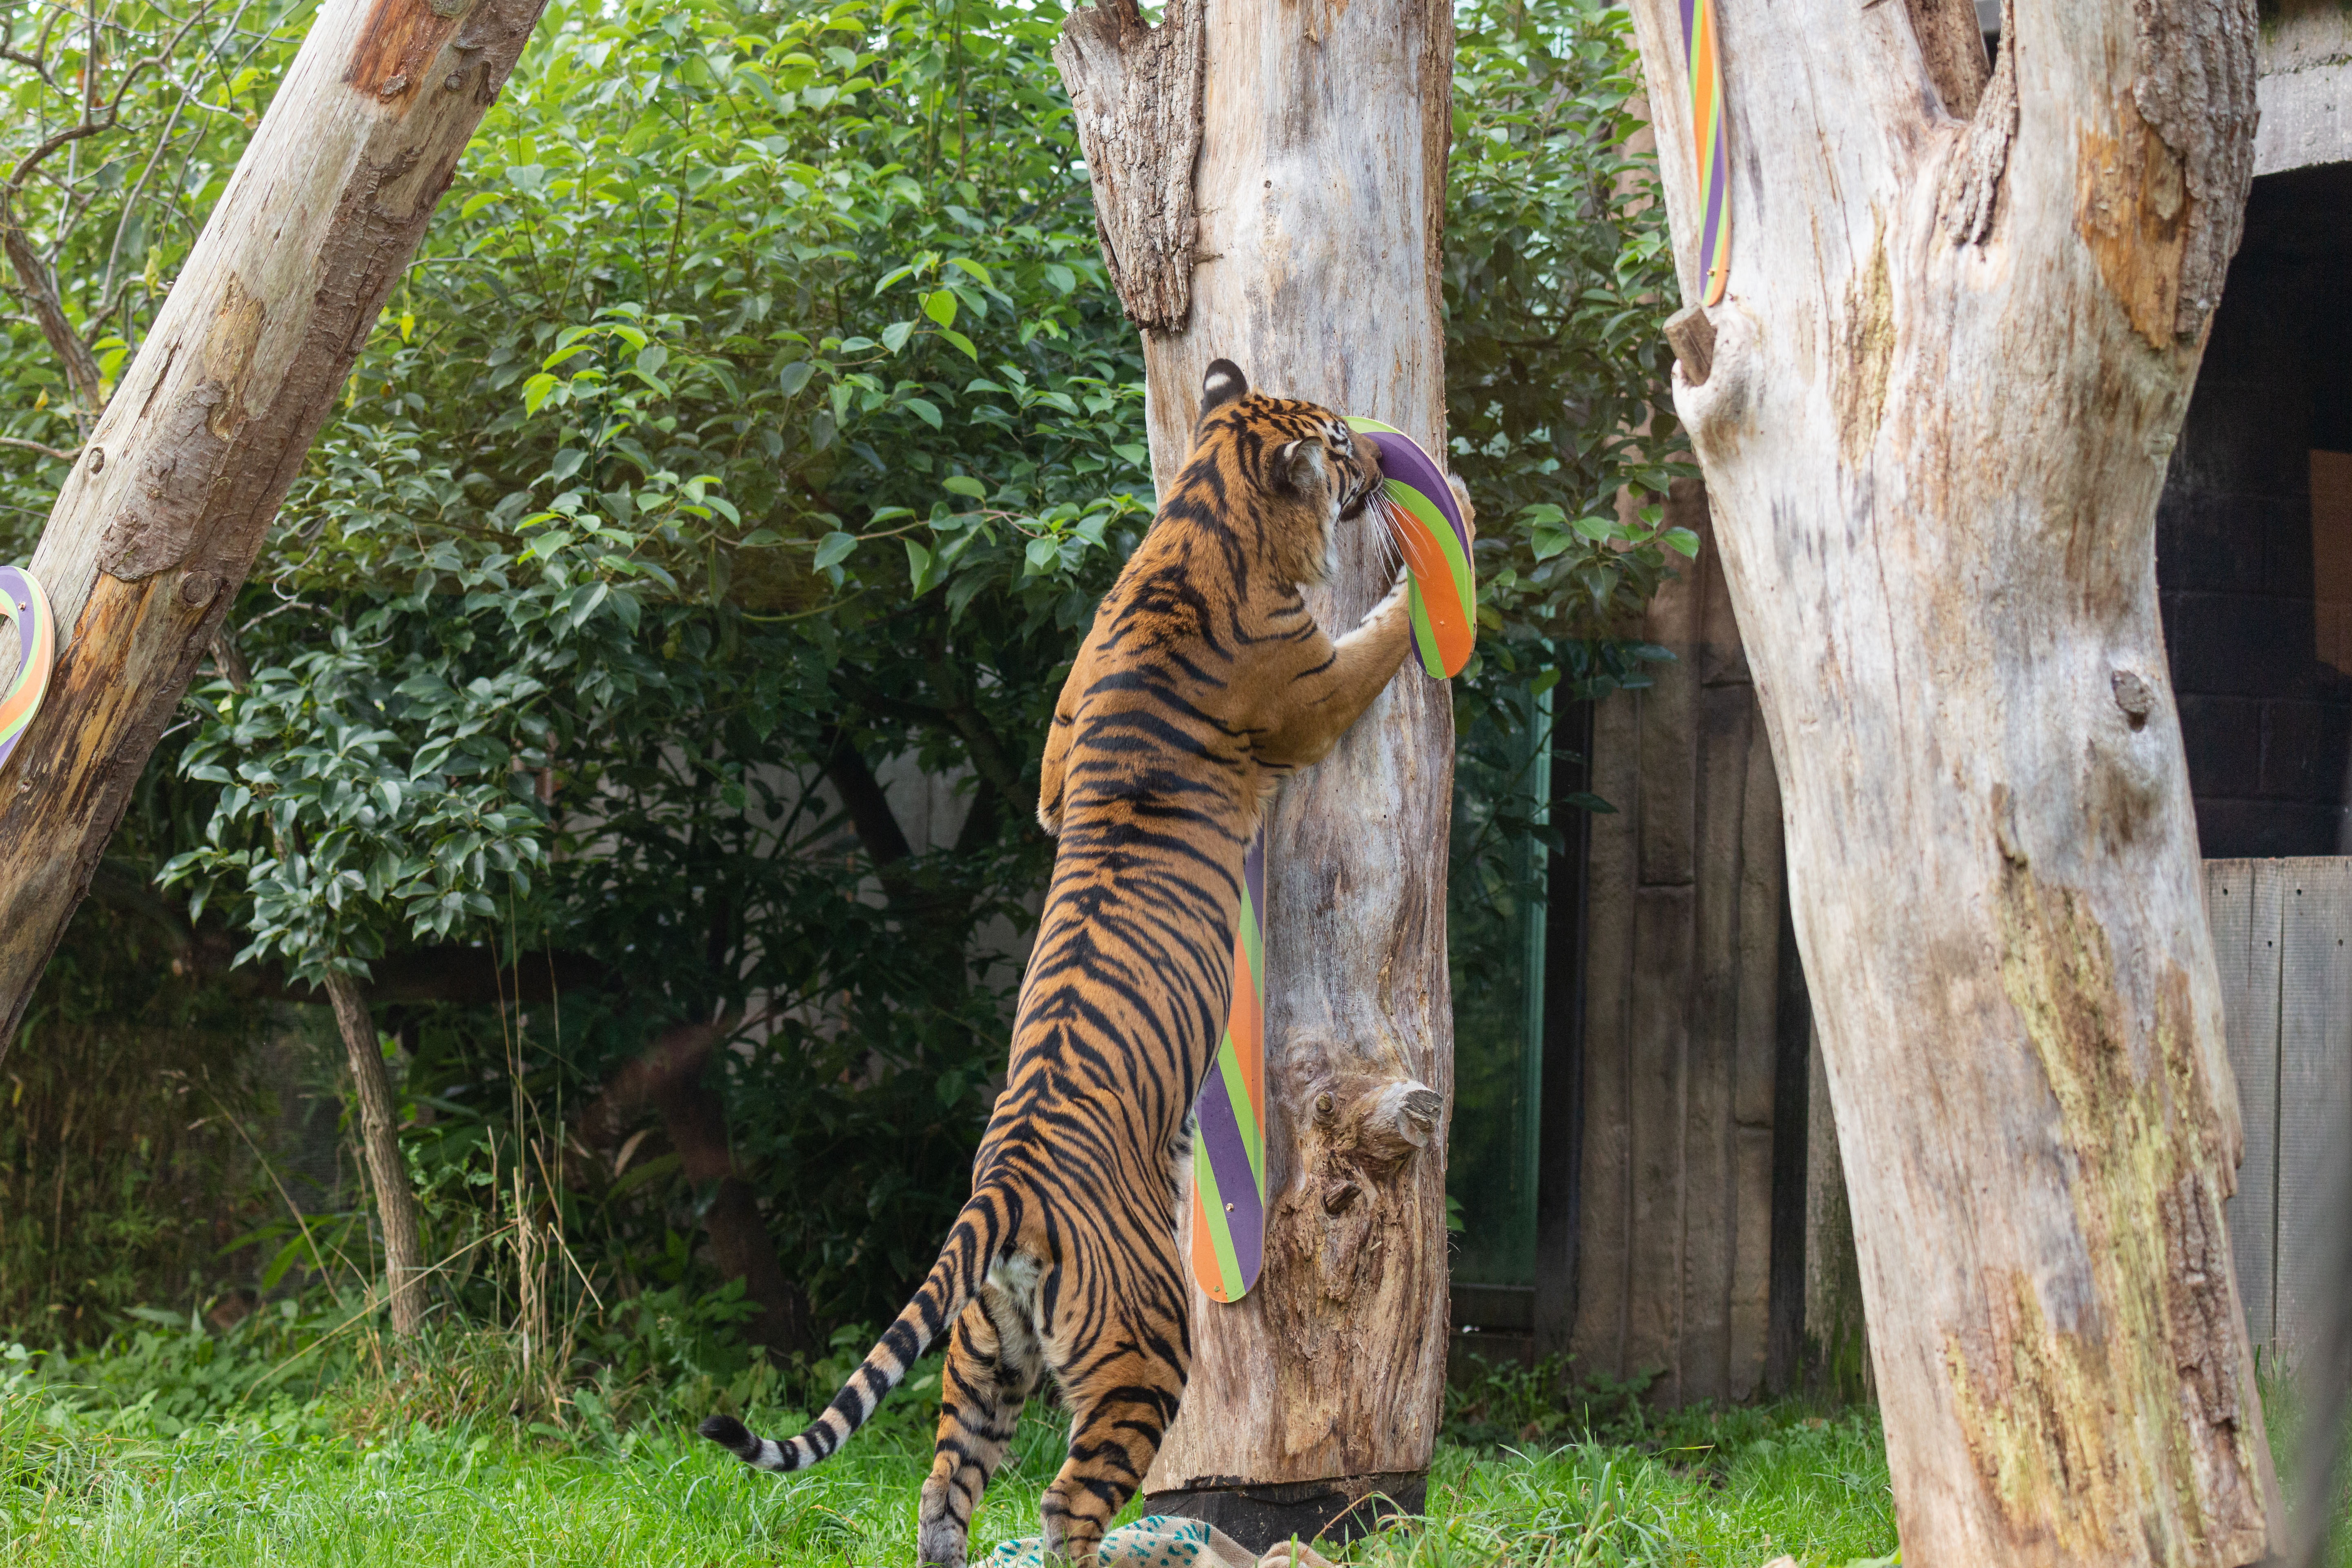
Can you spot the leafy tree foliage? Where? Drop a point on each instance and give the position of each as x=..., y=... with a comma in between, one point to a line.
x=735, y=468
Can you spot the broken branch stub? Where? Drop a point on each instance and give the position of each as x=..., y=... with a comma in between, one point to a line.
x=1135, y=93
x=161, y=519
x=1692, y=336
x=1377, y=1123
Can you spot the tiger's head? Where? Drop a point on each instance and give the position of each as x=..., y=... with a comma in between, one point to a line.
x=1305, y=470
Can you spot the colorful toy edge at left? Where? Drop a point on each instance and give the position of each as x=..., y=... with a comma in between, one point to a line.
x=1423, y=518
x=22, y=603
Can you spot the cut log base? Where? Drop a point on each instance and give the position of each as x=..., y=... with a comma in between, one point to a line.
x=1341, y=1509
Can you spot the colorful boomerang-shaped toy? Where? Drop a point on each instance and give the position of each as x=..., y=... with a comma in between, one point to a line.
x=1229, y=1140
x=1425, y=520
x=22, y=602
x=1711, y=141
x=1229, y=1137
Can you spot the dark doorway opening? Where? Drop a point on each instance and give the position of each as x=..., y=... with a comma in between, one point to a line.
x=2255, y=534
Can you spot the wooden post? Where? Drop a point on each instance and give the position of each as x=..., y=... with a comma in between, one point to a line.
x=1301, y=241
x=1965, y=309
x=161, y=517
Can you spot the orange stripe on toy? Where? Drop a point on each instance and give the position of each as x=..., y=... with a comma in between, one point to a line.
x=1442, y=625
x=1247, y=1026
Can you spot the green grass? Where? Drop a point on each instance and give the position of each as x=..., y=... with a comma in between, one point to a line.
x=254, y=1493
x=184, y=1450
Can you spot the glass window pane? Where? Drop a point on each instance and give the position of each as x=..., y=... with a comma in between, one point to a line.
x=1495, y=920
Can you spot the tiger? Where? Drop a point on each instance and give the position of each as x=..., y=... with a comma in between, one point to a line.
x=1203, y=682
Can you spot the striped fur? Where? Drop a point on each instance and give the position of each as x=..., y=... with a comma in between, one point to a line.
x=1203, y=681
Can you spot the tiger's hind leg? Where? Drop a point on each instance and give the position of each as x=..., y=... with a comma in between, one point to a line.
x=992, y=1366
x=1122, y=1393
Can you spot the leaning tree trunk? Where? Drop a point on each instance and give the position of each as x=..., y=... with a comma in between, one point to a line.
x=1964, y=315
x=1269, y=183
x=161, y=517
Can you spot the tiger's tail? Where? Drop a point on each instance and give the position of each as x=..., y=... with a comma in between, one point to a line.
x=972, y=1247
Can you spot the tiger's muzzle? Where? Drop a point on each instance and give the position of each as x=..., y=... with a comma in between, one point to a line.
x=1352, y=503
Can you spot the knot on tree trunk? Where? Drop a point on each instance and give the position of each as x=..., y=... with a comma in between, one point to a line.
x=1364, y=1131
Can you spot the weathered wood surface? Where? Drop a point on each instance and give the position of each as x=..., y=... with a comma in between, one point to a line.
x=161, y=518
x=2282, y=939
x=1319, y=190
x=2242, y=906
x=2315, y=1078
x=1683, y=996
x=1952, y=359
x=2305, y=90
x=1135, y=92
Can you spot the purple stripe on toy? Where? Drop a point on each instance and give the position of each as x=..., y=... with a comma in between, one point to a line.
x=1221, y=1135
x=1253, y=879
x=1404, y=461
x=1710, y=238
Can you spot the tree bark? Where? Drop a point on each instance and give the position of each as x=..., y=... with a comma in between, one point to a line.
x=160, y=519
x=1319, y=186
x=395, y=1204
x=1946, y=380
x=1136, y=90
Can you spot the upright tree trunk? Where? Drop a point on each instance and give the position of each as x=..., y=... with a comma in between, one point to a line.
x=1964, y=315
x=395, y=1204
x=162, y=516
x=1269, y=182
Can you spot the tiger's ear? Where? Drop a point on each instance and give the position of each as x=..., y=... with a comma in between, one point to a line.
x=1303, y=467
x=1224, y=384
